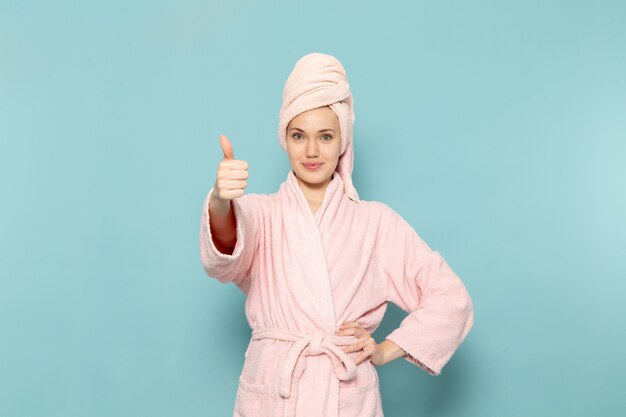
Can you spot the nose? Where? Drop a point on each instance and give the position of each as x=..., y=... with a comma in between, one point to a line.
x=311, y=148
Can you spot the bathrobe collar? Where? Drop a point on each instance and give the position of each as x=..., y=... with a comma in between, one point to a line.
x=332, y=196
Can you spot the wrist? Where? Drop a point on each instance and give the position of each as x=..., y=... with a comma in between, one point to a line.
x=391, y=351
x=219, y=206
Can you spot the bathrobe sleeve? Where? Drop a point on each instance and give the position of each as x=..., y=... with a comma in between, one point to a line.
x=233, y=267
x=420, y=282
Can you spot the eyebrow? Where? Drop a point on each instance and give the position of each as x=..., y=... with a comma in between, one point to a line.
x=319, y=131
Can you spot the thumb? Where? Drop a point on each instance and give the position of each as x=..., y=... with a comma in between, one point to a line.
x=227, y=148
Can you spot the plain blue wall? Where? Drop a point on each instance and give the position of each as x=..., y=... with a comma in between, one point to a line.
x=496, y=128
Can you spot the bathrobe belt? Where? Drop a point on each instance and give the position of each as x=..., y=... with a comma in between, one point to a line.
x=317, y=343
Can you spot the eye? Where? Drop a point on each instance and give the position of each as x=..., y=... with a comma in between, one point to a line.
x=295, y=135
x=329, y=137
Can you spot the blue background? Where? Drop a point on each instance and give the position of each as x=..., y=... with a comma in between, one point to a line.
x=496, y=128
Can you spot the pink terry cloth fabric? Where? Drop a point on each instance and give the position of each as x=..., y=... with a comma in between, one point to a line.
x=304, y=274
x=319, y=80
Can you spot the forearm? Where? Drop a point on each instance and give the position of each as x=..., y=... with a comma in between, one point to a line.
x=223, y=224
x=391, y=351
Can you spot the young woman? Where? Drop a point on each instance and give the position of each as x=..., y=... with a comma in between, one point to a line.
x=318, y=266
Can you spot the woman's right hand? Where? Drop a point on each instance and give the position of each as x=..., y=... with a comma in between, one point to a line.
x=229, y=184
x=231, y=174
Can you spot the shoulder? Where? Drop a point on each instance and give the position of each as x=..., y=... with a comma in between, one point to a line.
x=256, y=202
x=388, y=219
x=248, y=203
x=380, y=210
x=256, y=198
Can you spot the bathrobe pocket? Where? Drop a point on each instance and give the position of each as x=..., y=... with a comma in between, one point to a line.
x=362, y=400
x=252, y=399
x=253, y=395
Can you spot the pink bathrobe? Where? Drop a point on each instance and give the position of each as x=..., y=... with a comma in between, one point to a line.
x=305, y=274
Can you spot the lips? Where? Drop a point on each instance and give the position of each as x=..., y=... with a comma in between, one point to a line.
x=313, y=166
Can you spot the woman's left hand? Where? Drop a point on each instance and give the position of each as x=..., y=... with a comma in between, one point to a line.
x=366, y=343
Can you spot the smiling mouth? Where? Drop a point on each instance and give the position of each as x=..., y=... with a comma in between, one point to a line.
x=313, y=166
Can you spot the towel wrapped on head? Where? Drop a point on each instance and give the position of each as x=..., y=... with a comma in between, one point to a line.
x=319, y=80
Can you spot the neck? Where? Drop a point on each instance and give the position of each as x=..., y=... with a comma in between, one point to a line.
x=314, y=193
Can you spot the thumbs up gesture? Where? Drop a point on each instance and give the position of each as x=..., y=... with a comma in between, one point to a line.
x=231, y=174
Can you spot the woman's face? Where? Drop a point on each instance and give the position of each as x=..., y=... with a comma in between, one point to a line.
x=313, y=140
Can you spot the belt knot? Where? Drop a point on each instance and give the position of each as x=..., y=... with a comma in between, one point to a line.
x=315, y=344
x=310, y=344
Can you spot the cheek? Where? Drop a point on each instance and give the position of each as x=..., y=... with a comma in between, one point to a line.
x=338, y=151
x=292, y=152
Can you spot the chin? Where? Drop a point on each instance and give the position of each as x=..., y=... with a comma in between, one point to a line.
x=313, y=177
